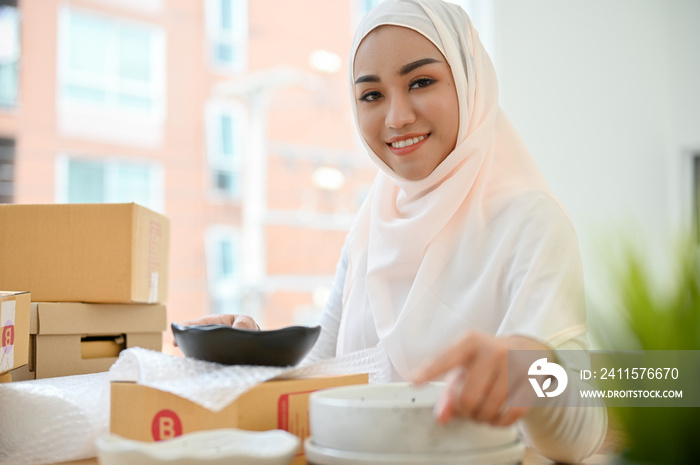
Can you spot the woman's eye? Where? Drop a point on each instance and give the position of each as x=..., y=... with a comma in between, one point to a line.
x=370, y=96
x=422, y=82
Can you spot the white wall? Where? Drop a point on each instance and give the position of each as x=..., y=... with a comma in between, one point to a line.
x=606, y=94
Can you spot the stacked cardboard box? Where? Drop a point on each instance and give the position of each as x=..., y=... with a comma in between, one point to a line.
x=14, y=332
x=98, y=277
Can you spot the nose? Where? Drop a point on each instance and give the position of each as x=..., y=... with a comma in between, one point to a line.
x=400, y=112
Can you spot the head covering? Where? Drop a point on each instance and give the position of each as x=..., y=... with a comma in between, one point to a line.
x=431, y=259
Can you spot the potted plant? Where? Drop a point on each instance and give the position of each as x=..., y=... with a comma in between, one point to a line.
x=660, y=320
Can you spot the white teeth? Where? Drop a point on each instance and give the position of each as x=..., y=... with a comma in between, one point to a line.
x=405, y=143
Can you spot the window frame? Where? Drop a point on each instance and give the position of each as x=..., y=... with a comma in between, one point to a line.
x=224, y=288
x=110, y=83
x=11, y=64
x=111, y=167
x=237, y=38
x=217, y=160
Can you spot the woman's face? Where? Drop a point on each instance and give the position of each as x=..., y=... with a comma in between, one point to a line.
x=406, y=100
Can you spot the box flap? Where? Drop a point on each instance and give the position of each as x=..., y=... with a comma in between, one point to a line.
x=96, y=319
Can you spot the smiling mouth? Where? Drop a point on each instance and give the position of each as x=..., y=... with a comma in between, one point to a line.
x=408, y=142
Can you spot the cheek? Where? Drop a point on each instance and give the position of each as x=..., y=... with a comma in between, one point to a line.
x=370, y=128
x=450, y=116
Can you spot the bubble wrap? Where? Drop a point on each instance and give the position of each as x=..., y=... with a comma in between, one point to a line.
x=58, y=419
x=214, y=386
x=52, y=420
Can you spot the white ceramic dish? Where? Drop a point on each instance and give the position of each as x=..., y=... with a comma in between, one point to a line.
x=214, y=447
x=395, y=418
x=507, y=455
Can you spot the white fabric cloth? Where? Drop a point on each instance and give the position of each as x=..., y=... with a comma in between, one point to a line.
x=480, y=244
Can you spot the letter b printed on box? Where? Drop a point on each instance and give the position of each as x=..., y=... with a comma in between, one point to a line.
x=166, y=425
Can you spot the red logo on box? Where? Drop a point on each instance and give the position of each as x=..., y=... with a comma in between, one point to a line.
x=8, y=335
x=166, y=425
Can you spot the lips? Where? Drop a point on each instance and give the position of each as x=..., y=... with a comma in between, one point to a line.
x=402, y=145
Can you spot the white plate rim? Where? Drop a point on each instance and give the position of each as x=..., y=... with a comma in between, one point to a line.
x=508, y=454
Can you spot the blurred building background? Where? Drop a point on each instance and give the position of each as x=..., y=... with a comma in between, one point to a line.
x=232, y=118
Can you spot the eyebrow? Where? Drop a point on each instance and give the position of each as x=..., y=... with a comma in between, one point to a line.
x=403, y=71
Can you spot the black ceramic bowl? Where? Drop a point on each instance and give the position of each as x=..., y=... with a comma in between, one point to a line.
x=231, y=346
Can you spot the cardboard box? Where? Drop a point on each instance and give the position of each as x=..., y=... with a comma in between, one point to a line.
x=77, y=338
x=107, y=253
x=20, y=374
x=146, y=414
x=14, y=329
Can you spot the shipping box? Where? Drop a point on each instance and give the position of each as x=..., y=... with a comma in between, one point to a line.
x=14, y=329
x=147, y=414
x=77, y=338
x=108, y=253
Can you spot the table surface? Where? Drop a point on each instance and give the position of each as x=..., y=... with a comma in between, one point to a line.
x=531, y=458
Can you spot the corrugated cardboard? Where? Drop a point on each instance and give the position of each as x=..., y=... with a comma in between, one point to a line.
x=14, y=329
x=20, y=374
x=107, y=253
x=146, y=414
x=76, y=338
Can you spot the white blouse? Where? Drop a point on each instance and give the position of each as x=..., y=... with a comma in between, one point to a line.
x=562, y=433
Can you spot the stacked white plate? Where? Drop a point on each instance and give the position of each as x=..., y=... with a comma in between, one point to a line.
x=394, y=424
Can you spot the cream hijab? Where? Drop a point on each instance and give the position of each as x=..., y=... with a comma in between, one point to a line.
x=479, y=244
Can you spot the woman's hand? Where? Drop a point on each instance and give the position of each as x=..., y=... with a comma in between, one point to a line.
x=235, y=321
x=477, y=384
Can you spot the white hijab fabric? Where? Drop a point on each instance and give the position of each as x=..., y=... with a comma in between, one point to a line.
x=479, y=244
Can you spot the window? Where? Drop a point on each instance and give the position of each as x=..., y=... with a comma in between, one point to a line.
x=109, y=64
x=9, y=54
x=226, y=129
x=7, y=170
x=223, y=269
x=227, y=31
x=88, y=180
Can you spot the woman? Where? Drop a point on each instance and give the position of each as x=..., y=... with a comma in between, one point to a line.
x=460, y=252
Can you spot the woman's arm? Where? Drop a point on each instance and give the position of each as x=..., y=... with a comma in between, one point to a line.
x=564, y=432
x=325, y=347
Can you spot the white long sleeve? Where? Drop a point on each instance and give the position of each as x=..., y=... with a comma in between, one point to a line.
x=564, y=432
x=325, y=346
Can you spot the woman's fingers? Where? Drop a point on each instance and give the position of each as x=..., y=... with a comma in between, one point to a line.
x=495, y=402
x=459, y=354
x=236, y=321
x=510, y=416
x=245, y=322
x=214, y=319
x=480, y=377
x=477, y=384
